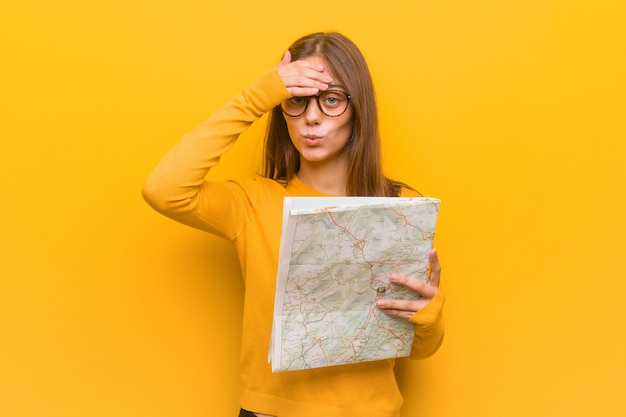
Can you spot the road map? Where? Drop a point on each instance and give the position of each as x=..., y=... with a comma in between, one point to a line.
x=336, y=256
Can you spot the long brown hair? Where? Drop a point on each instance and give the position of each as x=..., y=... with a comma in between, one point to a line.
x=348, y=66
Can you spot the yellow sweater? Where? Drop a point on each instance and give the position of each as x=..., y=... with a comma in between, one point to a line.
x=248, y=213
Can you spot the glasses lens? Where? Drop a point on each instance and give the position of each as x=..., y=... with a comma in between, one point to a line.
x=295, y=106
x=333, y=103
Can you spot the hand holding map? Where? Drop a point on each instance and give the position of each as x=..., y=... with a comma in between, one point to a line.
x=427, y=291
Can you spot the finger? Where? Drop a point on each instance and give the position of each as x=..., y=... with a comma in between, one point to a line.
x=410, y=306
x=435, y=268
x=302, y=68
x=302, y=78
x=425, y=289
x=301, y=63
x=304, y=86
x=299, y=74
x=399, y=313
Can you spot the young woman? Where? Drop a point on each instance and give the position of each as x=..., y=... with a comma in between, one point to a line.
x=322, y=139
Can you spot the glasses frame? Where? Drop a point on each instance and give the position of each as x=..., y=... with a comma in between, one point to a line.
x=331, y=89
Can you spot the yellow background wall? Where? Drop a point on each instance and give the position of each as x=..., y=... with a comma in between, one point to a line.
x=512, y=112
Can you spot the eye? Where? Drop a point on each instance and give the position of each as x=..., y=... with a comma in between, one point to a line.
x=332, y=99
x=296, y=101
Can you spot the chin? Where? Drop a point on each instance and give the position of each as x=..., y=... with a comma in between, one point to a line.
x=315, y=158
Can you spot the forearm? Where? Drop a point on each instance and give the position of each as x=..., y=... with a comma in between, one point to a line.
x=172, y=188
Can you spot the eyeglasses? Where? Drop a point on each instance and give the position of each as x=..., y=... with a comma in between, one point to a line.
x=332, y=103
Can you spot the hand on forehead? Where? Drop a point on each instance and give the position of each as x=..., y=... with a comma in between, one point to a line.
x=304, y=77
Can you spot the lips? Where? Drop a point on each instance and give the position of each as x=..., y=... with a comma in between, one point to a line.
x=312, y=139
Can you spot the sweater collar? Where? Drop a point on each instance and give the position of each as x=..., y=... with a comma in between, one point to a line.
x=298, y=188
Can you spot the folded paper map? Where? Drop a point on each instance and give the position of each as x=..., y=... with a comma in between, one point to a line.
x=336, y=257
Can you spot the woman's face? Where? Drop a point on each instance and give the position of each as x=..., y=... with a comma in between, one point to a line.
x=317, y=137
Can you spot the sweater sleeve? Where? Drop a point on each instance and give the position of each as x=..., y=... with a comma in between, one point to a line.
x=177, y=187
x=429, y=328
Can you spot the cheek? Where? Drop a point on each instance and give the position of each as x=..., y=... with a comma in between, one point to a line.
x=346, y=127
x=348, y=119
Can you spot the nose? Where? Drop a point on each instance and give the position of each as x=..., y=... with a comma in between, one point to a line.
x=313, y=114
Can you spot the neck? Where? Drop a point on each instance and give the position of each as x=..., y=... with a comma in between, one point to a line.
x=326, y=178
